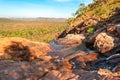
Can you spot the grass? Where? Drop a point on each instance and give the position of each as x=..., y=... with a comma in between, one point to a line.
x=33, y=30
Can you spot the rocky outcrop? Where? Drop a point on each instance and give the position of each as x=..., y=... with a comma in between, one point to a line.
x=71, y=39
x=104, y=42
x=47, y=71
x=22, y=49
x=81, y=27
x=61, y=62
x=74, y=56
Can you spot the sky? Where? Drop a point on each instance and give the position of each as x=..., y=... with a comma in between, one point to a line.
x=39, y=8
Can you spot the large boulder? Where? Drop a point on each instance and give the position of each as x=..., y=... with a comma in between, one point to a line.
x=72, y=39
x=104, y=42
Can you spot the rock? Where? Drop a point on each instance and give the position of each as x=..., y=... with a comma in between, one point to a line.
x=114, y=29
x=87, y=58
x=40, y=50
x=72, y=39
x=117, y=68
x=104, y=42
x=51, y=75
x=75, y=37
x=56, y=46
x=113, y=59
x=60, y=75
x=106, y=72
x=40, y=71
x=23, y=70
x=22, y=49
x=91, y=21
x=87, y=75
x=118, y=31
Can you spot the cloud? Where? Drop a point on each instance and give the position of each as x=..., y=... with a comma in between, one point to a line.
x=62, y=0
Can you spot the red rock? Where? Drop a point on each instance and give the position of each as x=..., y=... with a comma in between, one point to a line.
x=22, y=49
x=87, y=58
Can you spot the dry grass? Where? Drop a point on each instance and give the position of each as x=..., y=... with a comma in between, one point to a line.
x=33, y=30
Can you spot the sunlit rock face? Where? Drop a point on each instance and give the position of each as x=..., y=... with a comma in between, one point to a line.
x=71, y=39
x=22, y=49
x=104, y=42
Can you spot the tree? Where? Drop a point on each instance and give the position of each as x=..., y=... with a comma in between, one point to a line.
x=81, y=9
x=70, y=20
x=95, y=0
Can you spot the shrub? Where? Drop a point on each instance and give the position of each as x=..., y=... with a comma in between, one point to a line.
x=90, y=30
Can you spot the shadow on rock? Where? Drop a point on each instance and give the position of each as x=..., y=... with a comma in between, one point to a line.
x=22, y=49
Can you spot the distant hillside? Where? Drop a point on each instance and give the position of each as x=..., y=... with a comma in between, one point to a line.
x=41, y=19
x=5, y=20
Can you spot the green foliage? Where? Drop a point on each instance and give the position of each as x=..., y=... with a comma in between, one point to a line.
x=70, y=20
x=102, y=11
x=104, y=8
x=37, y=31
x=81, y=9
x=91, y=30
x=95, y=1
